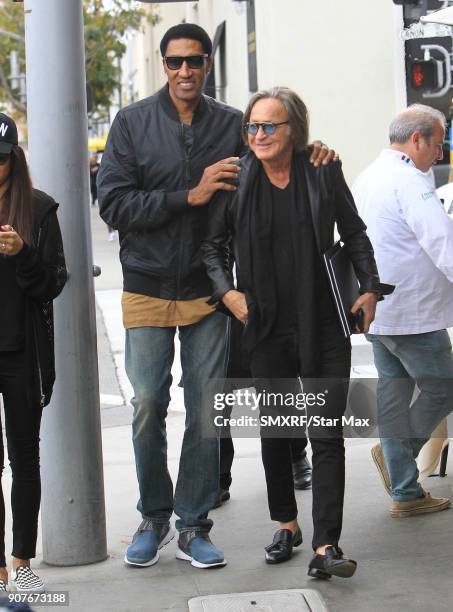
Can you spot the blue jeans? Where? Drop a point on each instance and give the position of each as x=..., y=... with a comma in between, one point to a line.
x=149, y=358
x=403, y=361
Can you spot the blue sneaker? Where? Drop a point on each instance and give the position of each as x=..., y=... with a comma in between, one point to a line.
x=196, y=547
x=147, y=540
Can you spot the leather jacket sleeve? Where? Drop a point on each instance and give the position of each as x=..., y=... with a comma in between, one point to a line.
x=352, y=232
x=121, y=203
x=216, y=247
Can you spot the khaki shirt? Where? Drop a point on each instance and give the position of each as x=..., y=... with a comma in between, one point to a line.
x=146, y=311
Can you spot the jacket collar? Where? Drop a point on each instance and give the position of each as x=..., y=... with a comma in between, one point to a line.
x=249, y=160
x=170, y=109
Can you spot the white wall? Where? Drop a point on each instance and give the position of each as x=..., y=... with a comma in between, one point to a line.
x=339, y=56
x=211, y=14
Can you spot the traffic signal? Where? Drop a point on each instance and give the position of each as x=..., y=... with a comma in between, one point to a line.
x=424, y=74
x=429, y=72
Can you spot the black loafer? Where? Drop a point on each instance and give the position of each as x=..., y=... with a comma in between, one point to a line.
x=281, y=548
x=302, y=472
x=333, y=563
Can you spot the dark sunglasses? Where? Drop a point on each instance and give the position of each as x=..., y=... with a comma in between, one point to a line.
x=4, y=158
x=268, y=128
x=174, y=62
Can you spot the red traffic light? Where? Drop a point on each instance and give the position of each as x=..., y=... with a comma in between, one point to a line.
x=423, y=74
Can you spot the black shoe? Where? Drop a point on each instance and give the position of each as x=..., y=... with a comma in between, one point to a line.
x=281, y=548
x=302, y=472
x=333, y=563
x=222, y=497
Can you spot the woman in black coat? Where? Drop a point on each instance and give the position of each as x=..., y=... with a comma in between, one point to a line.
x=32, y=274
x=279, y=221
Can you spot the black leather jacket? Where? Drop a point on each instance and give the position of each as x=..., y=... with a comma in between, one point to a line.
x=150, y=163
x=331, y=203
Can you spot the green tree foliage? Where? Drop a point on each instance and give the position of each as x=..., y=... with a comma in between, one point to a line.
x=104, y=44
x=11, y=39
x=106, y=23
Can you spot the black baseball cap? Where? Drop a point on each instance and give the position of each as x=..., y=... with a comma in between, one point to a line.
x=8, y=134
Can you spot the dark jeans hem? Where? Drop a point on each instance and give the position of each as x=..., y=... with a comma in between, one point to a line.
x=156, y=521
x=197, y=529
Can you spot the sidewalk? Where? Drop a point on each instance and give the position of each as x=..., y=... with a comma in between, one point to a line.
x=403, y=564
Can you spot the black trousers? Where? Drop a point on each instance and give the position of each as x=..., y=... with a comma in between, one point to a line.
x=298, y=446
x=237, y=369
x=22, y=424
x=277, y=358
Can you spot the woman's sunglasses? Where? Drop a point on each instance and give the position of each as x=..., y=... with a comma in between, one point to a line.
x=4, y=157
x=174, y=62
x=268, y=128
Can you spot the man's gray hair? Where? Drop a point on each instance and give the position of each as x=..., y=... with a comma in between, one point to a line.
x=295, y=107
x=416, y=118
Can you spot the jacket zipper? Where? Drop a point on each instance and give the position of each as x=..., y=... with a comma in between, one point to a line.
x=41, y=389
x=182, y=219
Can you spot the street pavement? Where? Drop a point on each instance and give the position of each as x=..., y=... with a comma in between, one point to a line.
x=404, y=564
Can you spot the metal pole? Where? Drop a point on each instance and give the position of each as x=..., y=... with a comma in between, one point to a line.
x=73, y=511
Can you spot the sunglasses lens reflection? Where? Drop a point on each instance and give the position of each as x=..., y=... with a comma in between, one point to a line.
x=193, y=61
x=268, y=128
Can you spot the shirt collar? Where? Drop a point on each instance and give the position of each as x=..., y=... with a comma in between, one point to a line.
x=399, y=156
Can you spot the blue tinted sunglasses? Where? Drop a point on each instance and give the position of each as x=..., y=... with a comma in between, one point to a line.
x=268, y=128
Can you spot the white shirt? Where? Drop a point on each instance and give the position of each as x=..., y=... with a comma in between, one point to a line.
x=412, y=237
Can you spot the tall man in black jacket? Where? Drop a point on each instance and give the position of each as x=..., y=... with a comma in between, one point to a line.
x=160, y=168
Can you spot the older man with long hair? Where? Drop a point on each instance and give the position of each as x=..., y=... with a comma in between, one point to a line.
x=281, y=219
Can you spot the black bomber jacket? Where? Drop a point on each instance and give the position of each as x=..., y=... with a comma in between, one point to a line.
x=150, y=162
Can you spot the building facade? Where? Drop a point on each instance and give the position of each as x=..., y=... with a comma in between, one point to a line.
x=346, y=60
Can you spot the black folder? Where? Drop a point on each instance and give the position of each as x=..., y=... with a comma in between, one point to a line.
x=343, y=284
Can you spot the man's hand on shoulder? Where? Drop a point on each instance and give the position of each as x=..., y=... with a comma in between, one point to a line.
x=213, y=179
x=321, y=154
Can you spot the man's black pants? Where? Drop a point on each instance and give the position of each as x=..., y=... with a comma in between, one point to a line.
x=298, y=446
x=277, y=357
x=237, y=369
